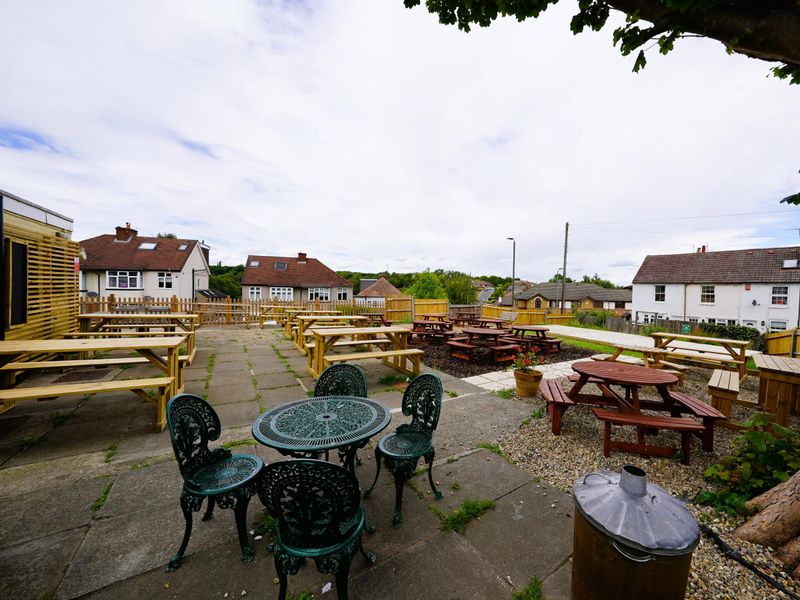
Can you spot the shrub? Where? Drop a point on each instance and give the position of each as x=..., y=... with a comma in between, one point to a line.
x=735, y=332
x=766, y=455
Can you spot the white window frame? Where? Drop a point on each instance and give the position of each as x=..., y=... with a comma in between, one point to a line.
x=128, y=276
x=648, y=318
x=777, y=326
x=660, y=292
x=164, y=280
x=780, y=298
x=704, y=292
x=341, y=293
x=322, y=294
x=281, y=293
x=254, y=293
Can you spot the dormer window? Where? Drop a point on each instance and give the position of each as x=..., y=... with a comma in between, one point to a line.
x=281, y=265
x=183, y=246
x=254, y=263
x=147, y=246
x=790, y=263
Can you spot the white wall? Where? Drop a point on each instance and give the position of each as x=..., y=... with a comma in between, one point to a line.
x=731, y=302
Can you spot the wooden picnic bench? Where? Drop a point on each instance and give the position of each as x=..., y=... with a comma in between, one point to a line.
x=723, y=388
x=705, y=351
x=557, y=402
x=462, y=349
x=391, y=358
x=324, y=340
x=707, y=414
x=686, y=427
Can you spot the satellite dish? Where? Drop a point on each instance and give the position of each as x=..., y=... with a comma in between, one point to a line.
x=91, y=294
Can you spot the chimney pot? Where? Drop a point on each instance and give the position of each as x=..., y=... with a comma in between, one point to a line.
x=301, y=257
x=125, y=233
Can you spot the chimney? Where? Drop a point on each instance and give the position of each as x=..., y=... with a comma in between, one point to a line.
x=124, y=234
x=301, y=258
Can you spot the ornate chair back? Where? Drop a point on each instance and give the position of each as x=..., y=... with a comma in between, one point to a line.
x=341, y=380
x=312, y=500
x=192, y=424
x=422, y=401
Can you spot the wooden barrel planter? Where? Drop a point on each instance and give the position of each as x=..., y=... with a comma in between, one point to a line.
x=527, y=382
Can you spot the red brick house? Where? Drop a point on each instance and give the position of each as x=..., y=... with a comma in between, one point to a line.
x=297, y=279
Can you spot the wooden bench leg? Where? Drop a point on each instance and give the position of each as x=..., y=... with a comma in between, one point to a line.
x=556, y=417
x=708, y=435
x=607, y=439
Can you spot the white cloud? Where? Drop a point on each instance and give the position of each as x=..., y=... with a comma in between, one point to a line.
x=372, y=137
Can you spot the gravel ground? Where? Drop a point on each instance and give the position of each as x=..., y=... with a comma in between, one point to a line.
x=536, y=449
x=437, y=355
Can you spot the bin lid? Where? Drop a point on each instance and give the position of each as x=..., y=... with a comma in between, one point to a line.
x=638, y=514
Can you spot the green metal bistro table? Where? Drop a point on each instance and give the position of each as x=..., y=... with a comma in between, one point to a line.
x=305, y=428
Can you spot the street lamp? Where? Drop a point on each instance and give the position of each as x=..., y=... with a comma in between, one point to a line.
x=513, y=269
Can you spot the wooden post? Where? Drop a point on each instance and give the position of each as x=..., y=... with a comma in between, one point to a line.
x=112, y=302
x=794, y=342
x=173, y=303
x=228, y=309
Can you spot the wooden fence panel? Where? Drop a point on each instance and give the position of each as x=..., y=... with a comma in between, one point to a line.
x=783, y=343
x=399, y=308
x=430, y=306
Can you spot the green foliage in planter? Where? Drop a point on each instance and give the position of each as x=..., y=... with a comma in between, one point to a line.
x=735, y=332
x=767, y=454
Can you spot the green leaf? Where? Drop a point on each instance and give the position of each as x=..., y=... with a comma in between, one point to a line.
x=640, y=63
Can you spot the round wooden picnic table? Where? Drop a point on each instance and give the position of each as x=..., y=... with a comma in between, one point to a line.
x=629, y=377
x=488, y=333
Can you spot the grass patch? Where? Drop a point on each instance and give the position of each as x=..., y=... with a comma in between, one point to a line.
x=59, y=418
x=302, y=596
x=457, y=519
x=111, y=451
x=451, y=459
x=392, y=379
x=538, y=413
x=596, y=346
x=494, y=449
x=238, y=443
x=101, y=499
x=532, y=591
x=455, y=487
x=413, y=485
x=452, y=394
x=506, y=393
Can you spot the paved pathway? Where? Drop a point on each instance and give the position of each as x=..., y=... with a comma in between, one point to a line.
x=501, y=380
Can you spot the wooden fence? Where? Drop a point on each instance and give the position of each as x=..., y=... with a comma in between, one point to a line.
x=399, y=308
x=430, y=307
x=523, y=317
x=783, y=343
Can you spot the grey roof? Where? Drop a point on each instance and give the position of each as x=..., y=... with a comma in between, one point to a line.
x=484, y=294
x=758, y=265
x=577, y=291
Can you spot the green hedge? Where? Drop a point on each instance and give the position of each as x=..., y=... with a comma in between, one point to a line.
x=735, y=332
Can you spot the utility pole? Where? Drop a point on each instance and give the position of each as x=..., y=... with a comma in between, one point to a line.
x=564, y=267
x=513, y=269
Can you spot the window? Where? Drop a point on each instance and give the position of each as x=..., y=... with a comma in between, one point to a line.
x=182, y=246
x=790, y=263
x=648, y=318
x=254, y=263
x=780, y=294
x=707, y=294
x=319, y=293
x=281, y=293
x=341, y=293
x=255, y=293
x=281, y=265
x=123, y=280
x=147, y=246
x=731, y=321
x=661, y=293
x=777, y=326
x=17, y=261
x=537, y=303
x=694, y=320
x=165, y=280
x=619, y=304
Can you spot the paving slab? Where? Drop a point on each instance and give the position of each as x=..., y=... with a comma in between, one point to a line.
x=38, y=514
x=266, y=367
x=43, y=475
x=72, y=439
x=442, y=566
x=105, y=407
x=237, y=413
x=389, y=399
x=34, y=569
x=276, y=396
x=233, y=366
x=143, y=489
x=120, y=547
x=275, y=380
x=16, y=429
x=141, y=443
x=219, y=393
x=525, y=519
x=558, y=586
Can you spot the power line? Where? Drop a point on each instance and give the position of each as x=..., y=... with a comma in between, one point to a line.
x=747, y=214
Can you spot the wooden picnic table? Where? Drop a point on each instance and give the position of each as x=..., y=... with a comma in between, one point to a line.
x=186, y=322
x=714, y=352
x=324, y=340
x=306, y=322
x=151, y=348
x=375, y=319
x=502, y=351
x=629, y=377
x=291, y=314
x=779, y=385
x=484, y=322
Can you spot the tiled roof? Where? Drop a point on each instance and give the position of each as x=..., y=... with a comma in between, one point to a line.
x=107, y=252
x=759, y=265
x=380, y=289
x=300, y=274
x=576, y=291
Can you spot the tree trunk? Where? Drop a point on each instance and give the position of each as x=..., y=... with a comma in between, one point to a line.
x=777, y=522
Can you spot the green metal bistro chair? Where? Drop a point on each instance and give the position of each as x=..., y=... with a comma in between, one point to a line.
x=342, y=379
x=226, y=479
x=318, y=510
x=402, y=449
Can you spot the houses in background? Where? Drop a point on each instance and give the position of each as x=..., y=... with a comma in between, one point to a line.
x=132, y=266
x=297, y=279
x=758, y=288
x=576, y=296
x=376, y=291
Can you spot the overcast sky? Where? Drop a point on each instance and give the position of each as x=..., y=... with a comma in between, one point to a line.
x=374, y=138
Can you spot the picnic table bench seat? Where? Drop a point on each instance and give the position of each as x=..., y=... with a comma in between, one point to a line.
x=9, y=397
x=575, y=377
x=460, y=348
x=413, y=354
x=557, y=402
x=33, y=365
x=504, y=352
x=723, y=389
x=707, y=413
x=686, y=427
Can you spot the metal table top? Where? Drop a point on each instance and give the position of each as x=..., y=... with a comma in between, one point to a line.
x=316, y=424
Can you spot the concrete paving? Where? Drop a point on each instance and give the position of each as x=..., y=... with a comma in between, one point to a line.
x=89, y=495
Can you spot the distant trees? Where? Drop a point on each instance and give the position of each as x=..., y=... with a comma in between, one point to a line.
x=427, y=285
x=167, y=236
x=558, y=278
x=227, y=280
x=459, y=288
